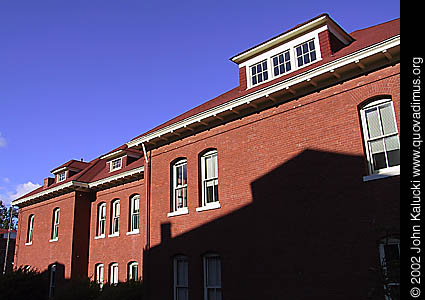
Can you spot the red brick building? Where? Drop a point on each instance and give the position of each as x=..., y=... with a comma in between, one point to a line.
x=286, y=186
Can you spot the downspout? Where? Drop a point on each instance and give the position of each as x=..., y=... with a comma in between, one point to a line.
x=148, y=230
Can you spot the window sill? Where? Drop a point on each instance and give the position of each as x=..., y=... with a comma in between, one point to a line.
x=99, y=237
x=213, y=205
x=28, y=244
x=182, y=211
x=394, y=171
x=114, y=234
x=54, y=240
x=133, y=232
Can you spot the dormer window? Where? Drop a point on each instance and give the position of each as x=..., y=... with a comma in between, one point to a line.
x=61, y=176
x=306, y=53
x=281, y=63
x=115, y=164
x=259, y=72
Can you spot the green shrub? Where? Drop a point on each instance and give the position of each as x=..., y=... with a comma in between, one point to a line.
x=23, y=284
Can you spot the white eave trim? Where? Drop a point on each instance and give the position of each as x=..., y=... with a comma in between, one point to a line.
x=116, y=177
x=280, y=39
x=78, y=184
x=308, y=75
x=52, y=190
x=113, y=154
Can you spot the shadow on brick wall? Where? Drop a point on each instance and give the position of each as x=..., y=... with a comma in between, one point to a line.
x=311, y=232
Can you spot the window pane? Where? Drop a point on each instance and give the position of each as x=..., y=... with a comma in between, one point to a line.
x=260, y=77
x=264, y=65
x=266, y=75
x=212, y=294
x=258, y=68
x=276, y=71
x=377, y=146
x=379, y=161
x=306, y=58
x=300, y=61
x=313, y=55
x=387, y=119
x=393, y=158
x=281, y=58
x=311, y=45
x=305, y=48
x=254, y=70
x=254, y=80
x=288, y=66
x=275, y=61
x=182, y=293
x=372, y=120
x=298, y=49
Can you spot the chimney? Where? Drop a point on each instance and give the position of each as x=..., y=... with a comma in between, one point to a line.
x=48, y=181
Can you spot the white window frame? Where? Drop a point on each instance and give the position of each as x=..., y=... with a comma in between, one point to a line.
x=113, y=274
x=55, y=224
x=266, y=71
x=131, y=266
x=52, y=283
x=179, y=187
x=272, y=66
x=113, y=167
x=185, y=285
x=302, y=55
x=382, y=244
x=206, y=286
x=205, y=181
x=384, y=172
x=115, y=218
x=30, y=230
x=101, y=220
x=100, y=274
x=134, y=214
x=61, y=177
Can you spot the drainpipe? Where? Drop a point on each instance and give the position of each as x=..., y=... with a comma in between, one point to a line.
x=148, y=208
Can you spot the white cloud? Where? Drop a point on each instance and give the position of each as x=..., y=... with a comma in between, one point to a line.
x=3, y=142
x=7, y=180
x=24, y=188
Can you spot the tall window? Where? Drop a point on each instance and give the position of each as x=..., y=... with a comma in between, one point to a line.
x=212, y=277
x=52, y=283
x=381, y=136
x=181, y=278
x=259, y=72
x=134, y=213
x=101, y=219
x=389, y=253
x=99, y=274
x=113, y=273
x=179, y=185
x=115, y=220
x=306, y=53
x=30, y=229
x=133, y=271
x=55, y=224
x=209, y=173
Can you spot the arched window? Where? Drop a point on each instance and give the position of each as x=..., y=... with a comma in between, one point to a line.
x=113, y=273
x=179, y=197
x=212, y=277
x=101, y=220
x=389, y=254
x=134, y=213
x=99, y=274
x=115, y=217
x=209, y=180
x=380, y=136
x=30, y=229
x=55, y=224
x=133, y=270
x=181, y=278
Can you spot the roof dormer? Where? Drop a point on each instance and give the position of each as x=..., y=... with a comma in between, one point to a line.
x=68, y=170
x=290, y=51
x=120, y=158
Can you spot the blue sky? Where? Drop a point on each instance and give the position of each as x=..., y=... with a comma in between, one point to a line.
x=80, y=78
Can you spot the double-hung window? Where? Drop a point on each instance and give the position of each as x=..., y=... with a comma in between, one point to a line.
x=55, y=224
x=281, y=63
x=259, y=72
x=212, y=277
x=134, y=213
x=99, y=274
x=52, y=283
x=133, y=271
x=181, y=278
x=61, y=176
x=179, y=185
x=113, y=273
x=306, y=53
x=381, y=136
x=209, y=173
x=30, y=229
x=389, y=253
x=115, y=220
x=101, y=220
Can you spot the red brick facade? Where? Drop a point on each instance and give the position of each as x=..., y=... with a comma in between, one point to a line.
x=296, y=216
